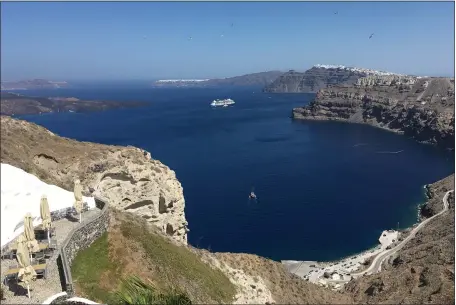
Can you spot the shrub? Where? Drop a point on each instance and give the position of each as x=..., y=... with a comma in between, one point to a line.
x=134, y=291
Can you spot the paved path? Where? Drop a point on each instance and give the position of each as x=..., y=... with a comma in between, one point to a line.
x=376, y=265
x=41, y=289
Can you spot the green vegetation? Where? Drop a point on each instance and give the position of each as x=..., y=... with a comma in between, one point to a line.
x=180, y=265
x=135, y=291
x=103, y=272
x=88, y=267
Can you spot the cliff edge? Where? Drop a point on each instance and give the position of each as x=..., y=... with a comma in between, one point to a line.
x=127, y=177
x=419, y=107
x=319, y=77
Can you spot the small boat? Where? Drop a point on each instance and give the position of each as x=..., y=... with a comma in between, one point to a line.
x=252, y=195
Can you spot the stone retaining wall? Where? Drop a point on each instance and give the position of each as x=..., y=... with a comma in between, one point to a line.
x=79, y=239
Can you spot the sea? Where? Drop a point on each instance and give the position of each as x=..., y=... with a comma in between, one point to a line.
x=325, y=190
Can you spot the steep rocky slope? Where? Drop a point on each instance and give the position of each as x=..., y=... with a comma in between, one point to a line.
x=126, y=176
x=284, y=287
x=423, y=271
x=312, y=80
x=422, y=108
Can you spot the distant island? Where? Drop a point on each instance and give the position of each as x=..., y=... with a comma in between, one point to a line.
x=254, y=79
x=18, y=104
x=32, y=84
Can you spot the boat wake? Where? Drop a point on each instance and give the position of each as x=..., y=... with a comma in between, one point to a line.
x=389, y=152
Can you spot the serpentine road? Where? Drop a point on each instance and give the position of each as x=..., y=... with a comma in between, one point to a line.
x=379, y=259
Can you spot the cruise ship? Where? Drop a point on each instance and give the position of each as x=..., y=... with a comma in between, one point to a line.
x=223, y=103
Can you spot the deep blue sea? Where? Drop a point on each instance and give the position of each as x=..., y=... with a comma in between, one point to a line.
x=321, y=195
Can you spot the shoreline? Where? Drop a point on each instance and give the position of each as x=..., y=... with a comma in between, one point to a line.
x=338, y=271
x=300, y=117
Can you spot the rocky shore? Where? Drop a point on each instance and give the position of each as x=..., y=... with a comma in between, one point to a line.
x=422, y=108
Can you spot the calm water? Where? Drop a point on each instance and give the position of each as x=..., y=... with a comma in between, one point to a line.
x=321, y=197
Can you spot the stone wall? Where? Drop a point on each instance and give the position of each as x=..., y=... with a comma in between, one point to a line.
x=79, y=239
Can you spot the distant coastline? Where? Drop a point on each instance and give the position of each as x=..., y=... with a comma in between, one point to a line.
x=14, y=104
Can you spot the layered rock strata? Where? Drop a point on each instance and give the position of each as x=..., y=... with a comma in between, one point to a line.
x=422, y=108
x=314, y=79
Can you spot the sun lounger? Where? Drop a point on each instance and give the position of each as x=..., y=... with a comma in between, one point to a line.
x=62, y=213
x=40, y=269
x=39, y=228
x=13, y=249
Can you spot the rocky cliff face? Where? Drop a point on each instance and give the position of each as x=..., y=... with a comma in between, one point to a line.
x=313, y=80
x=127, y=177
x=422, y=108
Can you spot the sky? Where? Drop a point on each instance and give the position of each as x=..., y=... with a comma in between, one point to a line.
x=150, y=40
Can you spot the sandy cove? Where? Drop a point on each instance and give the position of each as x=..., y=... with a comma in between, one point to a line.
x=336, y=273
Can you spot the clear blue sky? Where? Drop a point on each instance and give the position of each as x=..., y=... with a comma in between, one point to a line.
x=104, y=40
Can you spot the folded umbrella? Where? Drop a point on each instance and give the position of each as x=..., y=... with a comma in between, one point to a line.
x=78, y=198
x=45, y=216
x=26, y=272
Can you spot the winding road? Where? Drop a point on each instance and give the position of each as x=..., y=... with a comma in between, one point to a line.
x=376, y=265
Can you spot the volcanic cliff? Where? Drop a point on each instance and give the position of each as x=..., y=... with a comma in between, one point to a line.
x=422, y=108
x=316, y=78
x=127, y=177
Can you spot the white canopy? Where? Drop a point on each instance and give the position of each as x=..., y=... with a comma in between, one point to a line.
x=21, y=193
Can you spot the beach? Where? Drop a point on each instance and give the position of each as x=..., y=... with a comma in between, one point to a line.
x=337, y=273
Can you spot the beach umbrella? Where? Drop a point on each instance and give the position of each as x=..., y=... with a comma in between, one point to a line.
x=29, y=233
x=78, y=198
x=45, y=216
x=26, y=272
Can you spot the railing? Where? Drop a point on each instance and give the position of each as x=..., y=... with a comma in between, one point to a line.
x=65, y=261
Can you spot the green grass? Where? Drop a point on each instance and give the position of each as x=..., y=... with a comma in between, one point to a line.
x=178, y=273
x=181, y=267
x=88, y=266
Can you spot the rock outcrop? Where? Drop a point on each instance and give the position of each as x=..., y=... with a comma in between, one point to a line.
x=422, y=108
x=127, y=177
